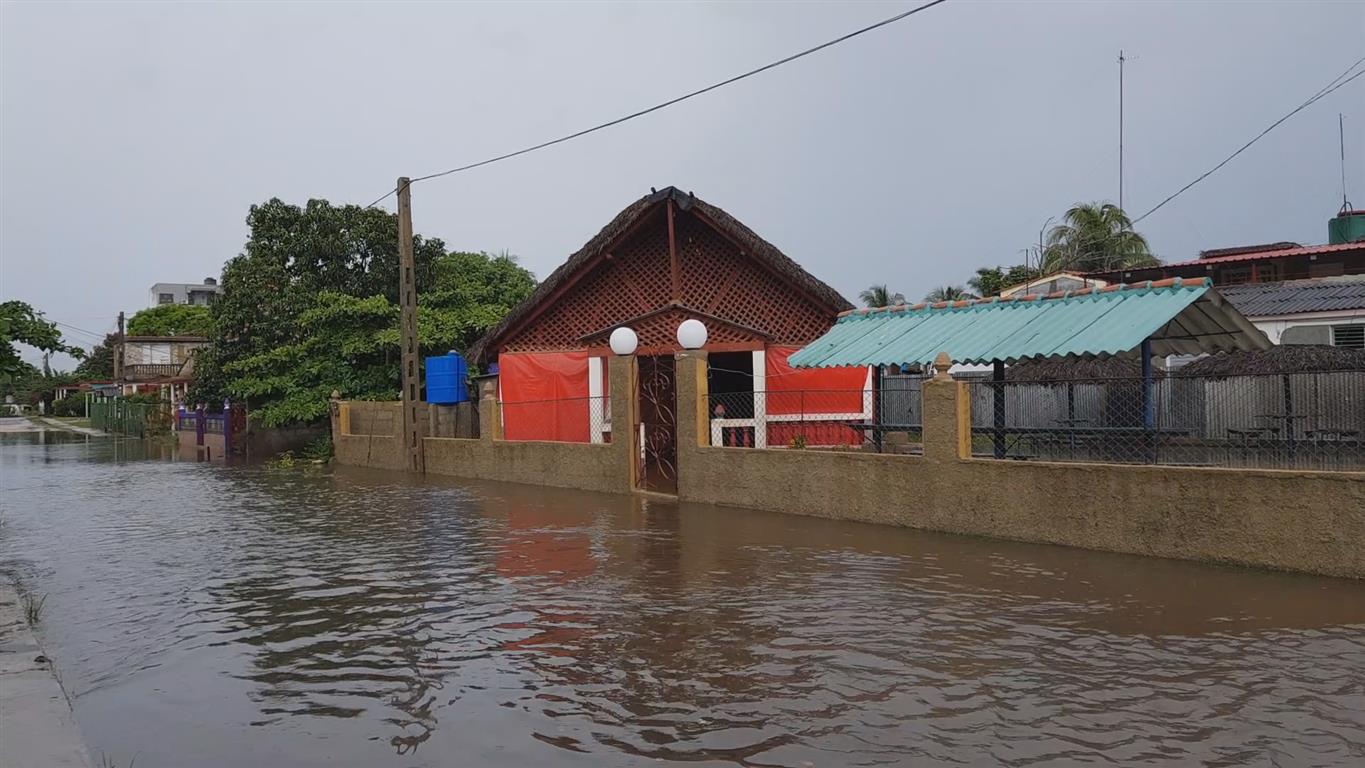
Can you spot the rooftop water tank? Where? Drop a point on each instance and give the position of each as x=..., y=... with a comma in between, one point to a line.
x=447, y=379
x=1346, y=227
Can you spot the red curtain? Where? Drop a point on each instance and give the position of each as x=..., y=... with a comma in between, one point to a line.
x=545, y=396
x=812, y=392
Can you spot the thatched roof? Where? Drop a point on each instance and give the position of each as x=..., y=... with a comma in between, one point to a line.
x=1076, y=369
x=1285, y=358
x=754, y=247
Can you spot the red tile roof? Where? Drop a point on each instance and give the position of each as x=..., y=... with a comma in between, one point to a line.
x=1304, y=250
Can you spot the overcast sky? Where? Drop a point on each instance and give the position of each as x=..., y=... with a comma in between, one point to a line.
x=135, y=136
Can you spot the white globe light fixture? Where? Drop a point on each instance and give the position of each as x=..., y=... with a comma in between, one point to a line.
x=624, y=341
x=692, y=334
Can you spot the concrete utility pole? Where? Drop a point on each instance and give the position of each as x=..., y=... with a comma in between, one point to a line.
x=118, y=355
x=407, y=302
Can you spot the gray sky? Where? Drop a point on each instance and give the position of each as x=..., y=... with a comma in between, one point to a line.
x=134, y=137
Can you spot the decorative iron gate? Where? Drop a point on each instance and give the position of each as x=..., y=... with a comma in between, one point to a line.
x=657, y=468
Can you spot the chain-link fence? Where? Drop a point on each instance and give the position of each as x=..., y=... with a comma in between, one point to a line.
x=565, y=420
x=886, y=420
x=1286, y=421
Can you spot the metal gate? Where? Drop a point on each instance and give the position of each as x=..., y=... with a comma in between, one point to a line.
x=657, y=455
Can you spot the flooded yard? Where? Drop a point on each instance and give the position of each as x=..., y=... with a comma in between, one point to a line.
x=225, y=616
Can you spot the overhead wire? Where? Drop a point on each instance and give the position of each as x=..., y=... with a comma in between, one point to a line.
x=1322, y=93
x=671, y=102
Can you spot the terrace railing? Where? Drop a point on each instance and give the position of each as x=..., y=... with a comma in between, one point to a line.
x=886, y=420
x=1279, y=421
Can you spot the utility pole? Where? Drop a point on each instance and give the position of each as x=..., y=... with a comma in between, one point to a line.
x=1121, y=60
x=407, y=302
x=118, y=356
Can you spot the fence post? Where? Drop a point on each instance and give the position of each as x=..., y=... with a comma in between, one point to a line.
x=199, y=425
x=998, y=409
x=227, y=428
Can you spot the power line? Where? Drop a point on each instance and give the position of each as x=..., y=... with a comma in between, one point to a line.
x=671, y=102
x=1323, y=92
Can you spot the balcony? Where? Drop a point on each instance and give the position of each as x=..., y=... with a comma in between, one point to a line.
x=150, y=371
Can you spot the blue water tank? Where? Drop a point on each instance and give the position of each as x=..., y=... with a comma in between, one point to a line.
x=447, y=379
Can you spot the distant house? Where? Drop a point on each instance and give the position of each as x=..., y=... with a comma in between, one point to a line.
x=159, y=363
x=1053, y=283
x=197, y=294
x=1296, y=294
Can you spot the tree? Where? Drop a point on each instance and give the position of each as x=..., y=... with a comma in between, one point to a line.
x=948, y=293
x=172, y=320
x=880, y=296
x=20, y=324
x=1095, y=237
x=990, y=281
x=99, y=361
x=311, y=306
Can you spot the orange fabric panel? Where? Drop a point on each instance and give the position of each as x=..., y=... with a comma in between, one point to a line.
x=545, y=396
x=812, y=390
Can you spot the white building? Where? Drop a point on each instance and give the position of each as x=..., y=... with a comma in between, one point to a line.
x=199, y=294
x=1324, y=310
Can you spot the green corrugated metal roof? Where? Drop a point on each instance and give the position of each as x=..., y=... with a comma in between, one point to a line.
x=1180, y=316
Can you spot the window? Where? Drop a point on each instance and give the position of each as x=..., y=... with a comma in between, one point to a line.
x=165, y=298
x=1234, y=275
x=1352, y=336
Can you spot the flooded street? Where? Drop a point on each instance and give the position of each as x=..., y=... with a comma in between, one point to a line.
x=225, y=616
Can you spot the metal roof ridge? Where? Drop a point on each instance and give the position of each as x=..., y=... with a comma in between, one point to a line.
x=1173, y=283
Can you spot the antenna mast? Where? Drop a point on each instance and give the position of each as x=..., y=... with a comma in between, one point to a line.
x=1341, y=133
x=1121, y=60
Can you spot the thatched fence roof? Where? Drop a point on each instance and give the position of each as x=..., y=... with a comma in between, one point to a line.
x=1285, y=358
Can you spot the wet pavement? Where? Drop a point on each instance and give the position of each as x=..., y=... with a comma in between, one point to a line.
x=224, y=616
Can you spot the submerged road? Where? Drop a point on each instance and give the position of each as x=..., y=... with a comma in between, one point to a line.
x=224, y=616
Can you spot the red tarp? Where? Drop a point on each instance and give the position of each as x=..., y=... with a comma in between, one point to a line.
x=812, y=392
x=545, y=396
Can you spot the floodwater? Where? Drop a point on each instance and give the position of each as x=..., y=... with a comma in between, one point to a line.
x=203, y=615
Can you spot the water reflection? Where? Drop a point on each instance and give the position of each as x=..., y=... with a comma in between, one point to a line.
x=212, y=615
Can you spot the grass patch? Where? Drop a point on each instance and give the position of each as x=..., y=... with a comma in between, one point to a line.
x=33, y=608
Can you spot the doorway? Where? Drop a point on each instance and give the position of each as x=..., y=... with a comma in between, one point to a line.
x=656, y=404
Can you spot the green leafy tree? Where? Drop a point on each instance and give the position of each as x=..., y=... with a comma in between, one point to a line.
x=98, y=364
x=990, y=281
x=880, y=296
x=1095, y=237
x=172, y=320
x=310, y=306
x=21, y=324
x=948, y=293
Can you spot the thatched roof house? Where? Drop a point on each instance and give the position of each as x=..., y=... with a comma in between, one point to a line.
x=670, y=253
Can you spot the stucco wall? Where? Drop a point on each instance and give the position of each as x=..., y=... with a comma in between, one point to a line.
x=1302, y=521
x=366, y=434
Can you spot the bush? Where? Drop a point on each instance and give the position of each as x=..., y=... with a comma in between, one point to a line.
x=73, y=405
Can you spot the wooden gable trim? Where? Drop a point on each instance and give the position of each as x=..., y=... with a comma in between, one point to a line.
x=574, y=279
x=669, y=307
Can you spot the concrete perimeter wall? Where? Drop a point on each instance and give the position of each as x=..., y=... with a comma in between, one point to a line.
x=366, y=434
x=1313, y=522
x=1300, y=521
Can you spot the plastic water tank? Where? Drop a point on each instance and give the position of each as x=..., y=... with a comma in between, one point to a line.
x=447, y=379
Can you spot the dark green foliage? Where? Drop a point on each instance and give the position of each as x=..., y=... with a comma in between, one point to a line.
x=990, y=281
x=172, y=320
x=98, y=364
x=878, y=296
x=20, y=324
x=73, y=405
x=948, y=293
x=1095, y=237
x=310, y=306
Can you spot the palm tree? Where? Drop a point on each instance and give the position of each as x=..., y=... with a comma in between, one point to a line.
x=1095, y=237
x=948, y=293
x=880, y=296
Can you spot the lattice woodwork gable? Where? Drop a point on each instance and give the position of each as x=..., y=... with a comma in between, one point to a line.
x=720, y=281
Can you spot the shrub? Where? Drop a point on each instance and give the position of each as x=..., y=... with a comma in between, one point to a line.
x=73, y=405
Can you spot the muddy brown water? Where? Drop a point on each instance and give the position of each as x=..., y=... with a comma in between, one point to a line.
x=203, y=615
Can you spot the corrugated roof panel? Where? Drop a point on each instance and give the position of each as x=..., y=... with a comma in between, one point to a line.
x=1325, y=294
x=1088, y=324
